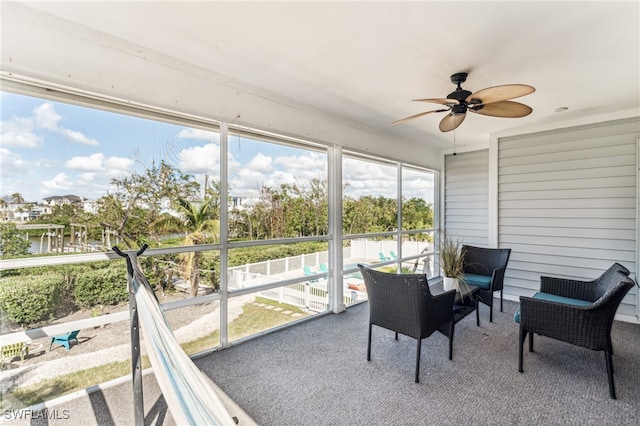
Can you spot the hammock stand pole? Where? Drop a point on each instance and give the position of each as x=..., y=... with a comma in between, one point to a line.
x=136, y=367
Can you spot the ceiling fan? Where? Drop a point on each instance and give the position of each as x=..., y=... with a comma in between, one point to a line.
x=492, y=101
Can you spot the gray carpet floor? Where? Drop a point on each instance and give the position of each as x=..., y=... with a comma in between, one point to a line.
x=317, y=374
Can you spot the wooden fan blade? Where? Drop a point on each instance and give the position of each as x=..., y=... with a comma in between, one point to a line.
x=507, y=109
x=442, y=101
x=499, y=93
x=404, y=120
x=451, y=122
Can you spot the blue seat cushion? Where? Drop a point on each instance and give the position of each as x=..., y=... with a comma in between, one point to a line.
x=482, y=281
x=554, y=298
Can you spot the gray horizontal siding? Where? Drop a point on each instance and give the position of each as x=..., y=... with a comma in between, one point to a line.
x=567, y=204
x=466, y=193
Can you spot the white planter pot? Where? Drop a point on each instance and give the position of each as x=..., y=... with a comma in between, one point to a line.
x=450, y=283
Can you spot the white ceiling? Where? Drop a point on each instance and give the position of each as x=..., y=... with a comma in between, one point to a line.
x=367, y=60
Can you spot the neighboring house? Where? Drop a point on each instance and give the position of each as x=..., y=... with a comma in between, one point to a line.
x=90, y=206
x=243, y=201
x=27, y=211
x=22, y=212
x=60, y=200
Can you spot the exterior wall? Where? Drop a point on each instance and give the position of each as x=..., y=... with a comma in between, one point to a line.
x=466, y=202
x=567, y=204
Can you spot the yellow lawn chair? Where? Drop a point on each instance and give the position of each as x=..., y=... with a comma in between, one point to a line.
x=9, y=352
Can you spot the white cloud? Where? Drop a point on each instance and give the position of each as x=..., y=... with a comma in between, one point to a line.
x=22, y=132
x=88, y=176
x=94, y=162
x=77, y=137
x=234, y=164
x=199, y=134
x=281, y=177
x=368, y=178
x=60, y=182
x=19, y=132
x=247, y=180
x=250, y=177
x=46, y=117
x=44, y=163
x=98, y=163
x=11, y=163
x=200, y=159
x=303, y=168
x=120, y=164
x=263, y=170
x=261, y=163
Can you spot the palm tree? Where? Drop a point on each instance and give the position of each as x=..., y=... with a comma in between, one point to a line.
x=3, y=207
x=199, y=226
x=17, y=198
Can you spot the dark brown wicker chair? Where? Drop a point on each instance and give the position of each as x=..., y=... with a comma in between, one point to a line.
x=576, y=312
x=404, y=304
x=484, y=268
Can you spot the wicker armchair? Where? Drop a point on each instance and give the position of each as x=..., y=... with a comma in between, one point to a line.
x=576, y=312
x=404, y=304
x=484, y=268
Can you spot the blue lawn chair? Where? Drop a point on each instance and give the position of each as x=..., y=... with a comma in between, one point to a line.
x=382, y=257
x=65, y=339
x=308, y=272
x=393, y=255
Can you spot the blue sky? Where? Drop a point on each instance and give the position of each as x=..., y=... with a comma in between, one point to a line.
x=50, y=148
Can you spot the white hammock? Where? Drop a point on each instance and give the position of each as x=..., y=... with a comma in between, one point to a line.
x=189, y=393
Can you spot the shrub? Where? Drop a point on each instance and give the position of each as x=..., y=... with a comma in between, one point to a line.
x=28, y=301
x=12, y=241
x=107, y=286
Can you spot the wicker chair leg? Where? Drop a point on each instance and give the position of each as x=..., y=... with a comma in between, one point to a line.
x=501, y=301
x=612, y=388
x=491, y=310
x=369, y=344
x=396, y=335
x=521, y=338
x=452, y=326
x=418, y=360
x=531, y=342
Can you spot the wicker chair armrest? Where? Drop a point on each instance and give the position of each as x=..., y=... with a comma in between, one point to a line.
x=497, y=278
x=585, y=326
x=565, y=287
x=439, y=309
x=444, y=301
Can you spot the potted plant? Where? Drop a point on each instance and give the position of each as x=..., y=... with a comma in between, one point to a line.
x=451, y=257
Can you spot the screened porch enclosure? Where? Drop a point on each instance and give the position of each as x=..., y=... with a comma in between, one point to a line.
x=301, y=193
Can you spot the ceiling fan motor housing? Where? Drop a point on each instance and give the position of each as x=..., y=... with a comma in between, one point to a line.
x=459, y=109
x=459, y=94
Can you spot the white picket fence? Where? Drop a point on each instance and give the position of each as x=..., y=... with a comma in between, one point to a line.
x=313, y=295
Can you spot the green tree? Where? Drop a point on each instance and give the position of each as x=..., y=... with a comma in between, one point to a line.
x=199, y=226
x=417, y=214
x=212, y=190
x=17, y=198
x=137, y=201
x=12, y=242
x=3, y=207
